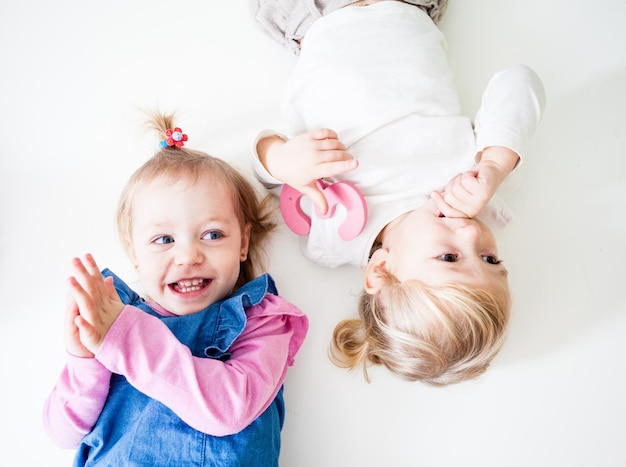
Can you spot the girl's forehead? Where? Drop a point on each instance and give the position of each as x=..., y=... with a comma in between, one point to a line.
x=183, y=202
x=203, y=183
x=179, y=187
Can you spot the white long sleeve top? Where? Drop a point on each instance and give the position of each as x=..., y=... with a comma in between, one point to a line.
x=379, y=76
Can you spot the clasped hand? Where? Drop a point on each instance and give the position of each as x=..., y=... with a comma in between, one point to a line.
x=92, y=307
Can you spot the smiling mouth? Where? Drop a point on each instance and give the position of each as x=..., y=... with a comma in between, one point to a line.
x=189, y=285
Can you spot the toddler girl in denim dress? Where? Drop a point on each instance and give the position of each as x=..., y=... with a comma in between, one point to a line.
x=192, y=372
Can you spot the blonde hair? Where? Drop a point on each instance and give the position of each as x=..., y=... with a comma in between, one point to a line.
x=438, y=335
x=175, y=163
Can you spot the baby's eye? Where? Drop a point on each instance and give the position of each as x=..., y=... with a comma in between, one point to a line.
x=164, y=240
x=213, y=235
x=490, y=259
x=448, y=257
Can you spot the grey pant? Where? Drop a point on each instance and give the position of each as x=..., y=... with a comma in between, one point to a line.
x=287, y=21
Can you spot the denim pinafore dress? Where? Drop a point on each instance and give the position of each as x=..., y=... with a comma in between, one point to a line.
x=135, y=430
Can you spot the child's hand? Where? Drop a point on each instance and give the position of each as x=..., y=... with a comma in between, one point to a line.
x=445, y=210
x=73, y=345
x=304, y=159
x=468, y=192
x=96, y=303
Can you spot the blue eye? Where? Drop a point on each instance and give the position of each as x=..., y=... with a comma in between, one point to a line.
x=213, y=235
x=448, y=257
x=164, y=240
x=490, y=259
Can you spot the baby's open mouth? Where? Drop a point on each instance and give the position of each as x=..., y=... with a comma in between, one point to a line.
x=189, y=285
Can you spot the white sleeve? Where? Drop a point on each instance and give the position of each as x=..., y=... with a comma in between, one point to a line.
x=272, y=184
x=511, y=108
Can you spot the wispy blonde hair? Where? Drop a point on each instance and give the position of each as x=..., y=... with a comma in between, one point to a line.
x=177, y=163
x=438, y=335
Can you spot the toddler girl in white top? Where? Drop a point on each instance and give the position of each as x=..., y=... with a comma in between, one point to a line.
x=372, y=101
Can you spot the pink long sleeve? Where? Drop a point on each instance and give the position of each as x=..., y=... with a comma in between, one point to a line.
x=76, y=401
x=215, y=397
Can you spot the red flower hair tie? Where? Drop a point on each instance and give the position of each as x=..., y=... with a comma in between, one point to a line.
x=174, y=137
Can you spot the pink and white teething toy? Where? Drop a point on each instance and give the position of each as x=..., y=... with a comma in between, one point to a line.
x=344, y=193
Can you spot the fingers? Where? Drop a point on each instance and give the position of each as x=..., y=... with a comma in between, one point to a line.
x=69, y=328
x=460, y=190
x=88, y=276
x=88, y=314
x=72, y=339
x=86, y=268
x=89, y=335
x=332, y=150
x=87, y=287
x=333, y=157
x=461, y=186
x=110, y=286
x=71, y=312
x=324, y=133
x=89, y=301
x=332, y=147
x=444, y=208
x=91, y=266
x=317, y=198
x=82, y=300
x=329, y=144
x=330, y=169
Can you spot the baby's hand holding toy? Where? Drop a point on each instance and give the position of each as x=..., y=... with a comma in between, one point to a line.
x=304, y=159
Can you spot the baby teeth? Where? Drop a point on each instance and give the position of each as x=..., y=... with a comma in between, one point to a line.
x=189, y=285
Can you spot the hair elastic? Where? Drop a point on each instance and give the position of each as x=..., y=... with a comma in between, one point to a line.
x=174, y=137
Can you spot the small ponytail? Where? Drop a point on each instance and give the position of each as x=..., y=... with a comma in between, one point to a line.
x=160, y=122
x=349, y=345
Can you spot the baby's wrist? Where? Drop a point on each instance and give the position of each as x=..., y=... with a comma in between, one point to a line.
x=266, y=148
x=503, y=158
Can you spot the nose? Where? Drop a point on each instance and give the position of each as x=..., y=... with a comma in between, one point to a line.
x=469, y=231
x=187, y=254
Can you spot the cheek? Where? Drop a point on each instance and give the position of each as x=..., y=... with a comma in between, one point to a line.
x=147, y=277
x=404, y=266
x=150, y=271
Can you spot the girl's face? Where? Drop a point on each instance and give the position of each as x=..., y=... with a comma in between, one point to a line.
x=187, y=243
x=439, y=250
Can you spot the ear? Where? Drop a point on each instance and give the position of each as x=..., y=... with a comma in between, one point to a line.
x=133, y=258
x=376, y=265
x=245, y=242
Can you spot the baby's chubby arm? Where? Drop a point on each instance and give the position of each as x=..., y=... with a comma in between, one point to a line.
x=467, y=193
x=305, y=158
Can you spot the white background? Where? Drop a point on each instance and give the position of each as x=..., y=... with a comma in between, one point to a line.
x=73, y=77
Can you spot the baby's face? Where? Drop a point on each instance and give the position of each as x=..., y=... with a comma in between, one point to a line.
x=438, y=250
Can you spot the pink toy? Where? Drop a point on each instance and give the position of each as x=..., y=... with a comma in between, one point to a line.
x=344, y=193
